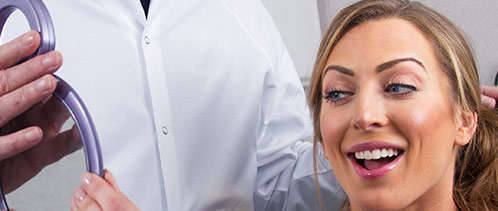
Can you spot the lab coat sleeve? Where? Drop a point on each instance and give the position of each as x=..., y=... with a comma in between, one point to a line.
x=285, y=179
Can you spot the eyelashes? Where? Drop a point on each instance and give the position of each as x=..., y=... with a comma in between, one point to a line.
x=335, y=96
x=400, y=89
x=394, y=90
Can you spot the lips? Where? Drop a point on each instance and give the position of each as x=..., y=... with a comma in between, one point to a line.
x=374, y=159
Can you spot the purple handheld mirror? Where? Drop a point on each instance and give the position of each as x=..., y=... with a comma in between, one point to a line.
x=39, y=19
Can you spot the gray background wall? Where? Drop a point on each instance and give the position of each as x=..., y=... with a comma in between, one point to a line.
x=299, y=22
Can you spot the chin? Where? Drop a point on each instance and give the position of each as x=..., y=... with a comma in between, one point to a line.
x=379, y=207
x=378, y=202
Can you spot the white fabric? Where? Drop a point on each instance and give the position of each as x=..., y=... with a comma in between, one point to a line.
x=216, y=75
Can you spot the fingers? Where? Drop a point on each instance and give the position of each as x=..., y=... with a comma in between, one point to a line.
x=490, y=91
x=19, y=48
x=81, y=201
x=17, y=76
x=102, y=192
x=23, y=85
x=20, y=100
x=488, y=102
x=19, y=141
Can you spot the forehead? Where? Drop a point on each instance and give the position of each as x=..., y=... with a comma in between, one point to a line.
x=377, y=41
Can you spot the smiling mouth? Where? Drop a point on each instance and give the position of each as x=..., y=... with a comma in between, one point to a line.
x=377, y=158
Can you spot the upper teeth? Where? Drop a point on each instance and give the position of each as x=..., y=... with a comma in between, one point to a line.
x=376, y=154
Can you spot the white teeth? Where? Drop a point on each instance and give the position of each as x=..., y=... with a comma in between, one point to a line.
x=376, y=154
x=368, y=155
x=359, y=155
x=383, y=153
x=390, y=152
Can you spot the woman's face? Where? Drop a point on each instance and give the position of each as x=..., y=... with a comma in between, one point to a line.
x=387, y=125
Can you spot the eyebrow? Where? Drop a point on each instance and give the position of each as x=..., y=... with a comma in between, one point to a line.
x=378, y=69
x=389, y=64
x=340, y=69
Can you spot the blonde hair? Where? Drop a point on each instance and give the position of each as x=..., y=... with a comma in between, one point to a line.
x=476, y=177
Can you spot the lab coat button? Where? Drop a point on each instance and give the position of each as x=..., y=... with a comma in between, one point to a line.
x=147, y=40
x=165, y=130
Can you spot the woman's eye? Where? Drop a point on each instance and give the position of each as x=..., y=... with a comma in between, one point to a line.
x=400, y=89
x=336, y=96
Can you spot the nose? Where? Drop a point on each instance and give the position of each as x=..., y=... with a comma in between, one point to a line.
x=369, y=111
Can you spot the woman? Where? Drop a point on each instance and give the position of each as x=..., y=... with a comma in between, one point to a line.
x=395, y=102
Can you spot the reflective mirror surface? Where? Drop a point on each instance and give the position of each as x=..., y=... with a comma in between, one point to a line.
x=53, y=186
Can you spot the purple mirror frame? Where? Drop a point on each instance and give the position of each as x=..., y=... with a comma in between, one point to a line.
x=39, y=19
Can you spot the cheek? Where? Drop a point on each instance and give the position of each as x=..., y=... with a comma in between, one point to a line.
x=429, y=127
x=419, y=119
x=333, y=126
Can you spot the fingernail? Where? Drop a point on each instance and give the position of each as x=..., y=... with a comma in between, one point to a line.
x=50, y=60
x=86, y=178
x=27, y=39
x=44, y=84
x=79, y=194
x=73, y=205
x=32, y=135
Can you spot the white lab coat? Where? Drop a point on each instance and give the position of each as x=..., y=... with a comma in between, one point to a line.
x=197, y=108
